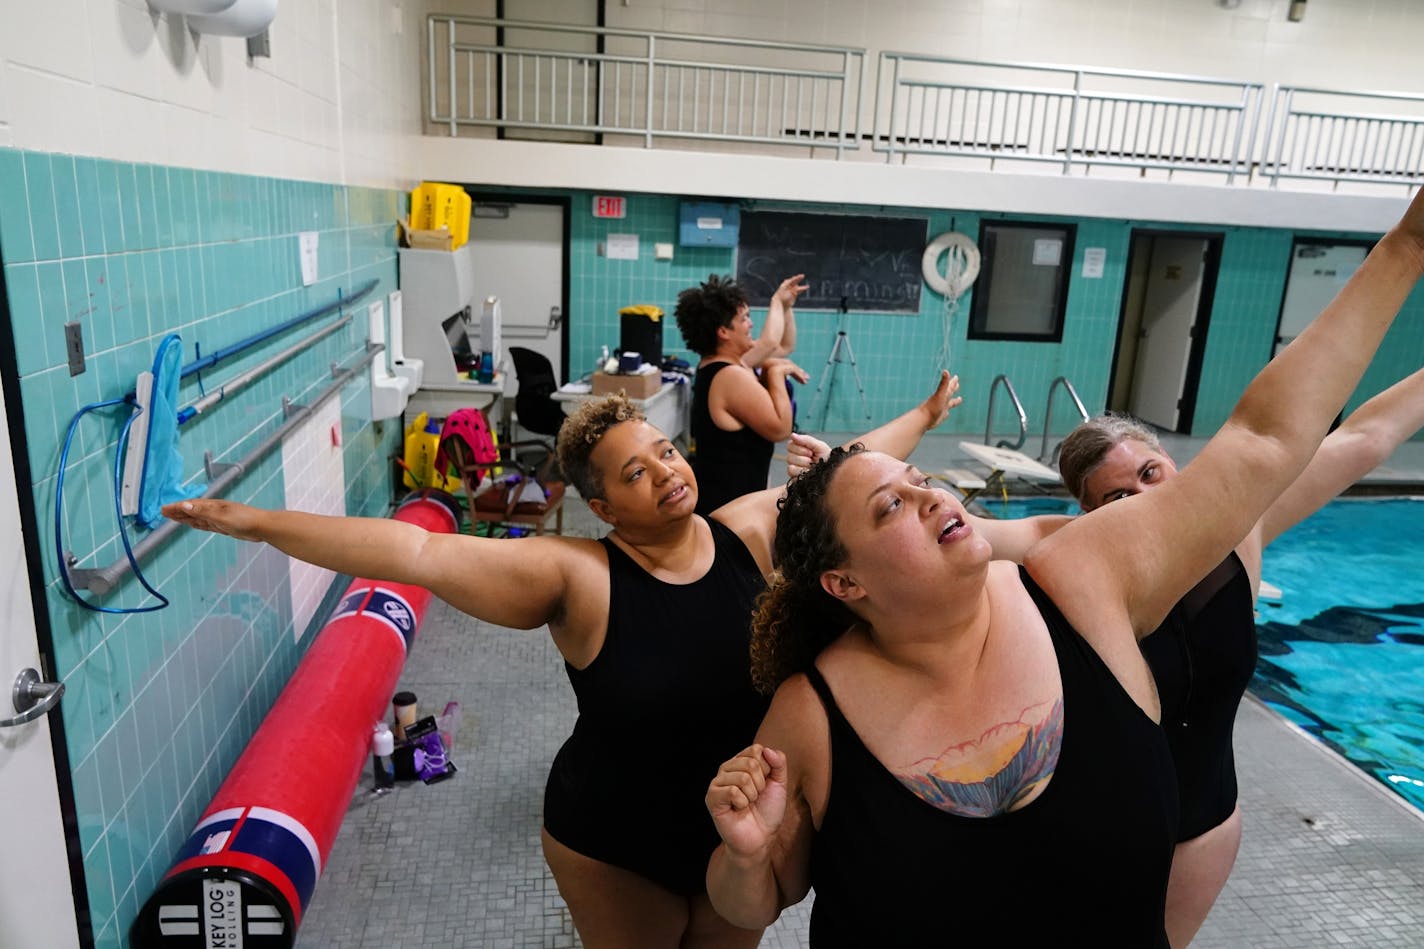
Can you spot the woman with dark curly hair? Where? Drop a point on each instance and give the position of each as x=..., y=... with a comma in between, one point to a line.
x=652, y=622
x=999, y=773
x=741, y=404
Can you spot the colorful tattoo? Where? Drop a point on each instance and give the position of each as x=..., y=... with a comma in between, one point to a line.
x=1024, y=756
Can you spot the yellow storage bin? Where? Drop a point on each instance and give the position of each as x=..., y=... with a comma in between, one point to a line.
x=435, y=205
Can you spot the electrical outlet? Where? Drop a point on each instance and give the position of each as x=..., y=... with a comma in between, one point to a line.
x=74, y=346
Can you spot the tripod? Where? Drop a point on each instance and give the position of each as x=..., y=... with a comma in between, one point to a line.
x=829, y=374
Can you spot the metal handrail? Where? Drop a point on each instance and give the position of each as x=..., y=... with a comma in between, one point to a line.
x=1332, y=135
x=644, y=92
x=1018, y=407
x=1030, y=119
x=101, y=580
x=1048, y=417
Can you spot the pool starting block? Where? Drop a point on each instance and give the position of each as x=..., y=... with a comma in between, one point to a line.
x=1002, y=463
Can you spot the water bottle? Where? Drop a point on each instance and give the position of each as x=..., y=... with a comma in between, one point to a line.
x=383, y=766
x=448, y=724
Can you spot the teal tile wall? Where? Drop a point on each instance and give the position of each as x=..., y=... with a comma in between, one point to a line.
x=896, y=353
x=159, y=705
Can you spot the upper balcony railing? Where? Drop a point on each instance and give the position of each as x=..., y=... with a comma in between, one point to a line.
x=1344, y=136
x=1039, y=113
x=568, y=83
x=571, y=83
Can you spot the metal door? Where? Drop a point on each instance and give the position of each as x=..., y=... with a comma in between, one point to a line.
x=1165, y=341
x=36, y=899
x=519, y=258
x=1317, y=272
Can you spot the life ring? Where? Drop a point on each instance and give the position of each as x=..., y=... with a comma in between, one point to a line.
x=962, y=268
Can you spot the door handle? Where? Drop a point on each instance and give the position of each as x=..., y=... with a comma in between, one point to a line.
x=32, y=698
x=556, y=316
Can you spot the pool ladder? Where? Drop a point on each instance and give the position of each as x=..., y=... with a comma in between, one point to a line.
x=1043, y=454
x=1018, y=407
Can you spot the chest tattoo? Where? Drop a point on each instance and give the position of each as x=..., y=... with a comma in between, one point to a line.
x=989, y=775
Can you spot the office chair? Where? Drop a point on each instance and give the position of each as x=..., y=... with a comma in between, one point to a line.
x=533, y=405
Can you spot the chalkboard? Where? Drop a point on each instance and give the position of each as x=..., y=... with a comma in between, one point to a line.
x=861, y=263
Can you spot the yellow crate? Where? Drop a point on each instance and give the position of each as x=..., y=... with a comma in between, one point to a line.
x=434, y=205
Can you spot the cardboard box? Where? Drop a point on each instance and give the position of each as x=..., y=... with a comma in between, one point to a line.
x=634, y=385
x=440, y=239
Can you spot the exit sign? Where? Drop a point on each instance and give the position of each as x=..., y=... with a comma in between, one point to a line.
x=608, y=206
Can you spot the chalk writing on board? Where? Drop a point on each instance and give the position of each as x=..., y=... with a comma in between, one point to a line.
x=853, y=262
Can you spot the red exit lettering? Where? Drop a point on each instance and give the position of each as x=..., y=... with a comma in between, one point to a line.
x=608, y=206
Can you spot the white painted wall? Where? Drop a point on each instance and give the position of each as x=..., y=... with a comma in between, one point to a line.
x=338, y=101
x=1347, y=44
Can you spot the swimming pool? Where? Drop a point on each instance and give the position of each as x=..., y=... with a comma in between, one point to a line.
x=1342, y=651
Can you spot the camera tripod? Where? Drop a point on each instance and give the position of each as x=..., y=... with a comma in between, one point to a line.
x=828, y=376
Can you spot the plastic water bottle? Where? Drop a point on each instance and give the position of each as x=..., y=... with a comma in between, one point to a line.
x=383, y=746
x=448, y=724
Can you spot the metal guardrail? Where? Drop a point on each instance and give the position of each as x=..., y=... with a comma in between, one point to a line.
x=101, y=580
x=1344, y=136
x=1048, y=417
x=562, y=82
x=1018, y=408
x=567, y=83
x=1063, y=114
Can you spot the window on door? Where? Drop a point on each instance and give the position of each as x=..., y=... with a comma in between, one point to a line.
x=1023, y=283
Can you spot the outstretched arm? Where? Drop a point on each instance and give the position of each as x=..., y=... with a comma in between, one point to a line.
x=1358, y=446
x=1266, y=443
x=899, y=436
x=778, y=334
x=753, y=516
x=473, y=574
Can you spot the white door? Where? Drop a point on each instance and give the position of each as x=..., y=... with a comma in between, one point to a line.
x=519, y=258
x=1164, y=346
x=1317, y=273
x=36, y=900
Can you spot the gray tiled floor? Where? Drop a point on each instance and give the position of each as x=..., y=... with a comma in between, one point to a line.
x=1329, y=857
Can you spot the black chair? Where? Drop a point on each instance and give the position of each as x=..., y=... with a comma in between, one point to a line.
x=533, y=403
x=534, y=408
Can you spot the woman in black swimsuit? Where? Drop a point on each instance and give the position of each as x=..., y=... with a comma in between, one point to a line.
x=1203, y=656
x=652, y=622
x=997, y=773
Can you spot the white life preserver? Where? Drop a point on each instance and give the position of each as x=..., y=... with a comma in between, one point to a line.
x=961, y=268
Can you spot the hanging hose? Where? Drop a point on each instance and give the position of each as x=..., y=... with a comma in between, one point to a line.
x=59, y=549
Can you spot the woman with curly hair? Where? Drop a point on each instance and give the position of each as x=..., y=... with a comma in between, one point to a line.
x=741, y=401
x=652, y=622
x=962, y=748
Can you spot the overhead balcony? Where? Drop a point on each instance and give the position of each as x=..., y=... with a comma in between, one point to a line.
x=550, y=105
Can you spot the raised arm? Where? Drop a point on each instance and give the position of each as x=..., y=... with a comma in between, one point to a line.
x=474, y=574
x=778, y=334
x=1362, y=443
x=1143, y=553
x=899, y=436
x=753, y=516
x=760, y=403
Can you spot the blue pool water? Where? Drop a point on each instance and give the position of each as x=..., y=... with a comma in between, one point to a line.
x=1342, y=653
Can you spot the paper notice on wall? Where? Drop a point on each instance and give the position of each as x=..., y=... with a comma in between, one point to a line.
x=622, y=246
x=1093, y=260
x=308, y=244
x=1047, y=252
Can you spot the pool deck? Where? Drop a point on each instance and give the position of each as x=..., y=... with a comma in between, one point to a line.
x=1329, y=857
